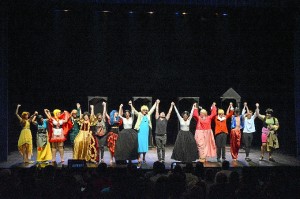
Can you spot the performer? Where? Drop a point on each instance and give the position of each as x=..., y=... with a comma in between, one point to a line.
x=42, y=140
x=237, y=123
x=75, y=114
x=25, y=138
x=143, y=126
x=114, y=121
x=161, y=130
x=100, y=132
x=249, y=129
x=221, y=131
x=127, y=143
x=84, y=143
x=204, y=135
x=185, y=148
x=59, y=126
x=269, y=135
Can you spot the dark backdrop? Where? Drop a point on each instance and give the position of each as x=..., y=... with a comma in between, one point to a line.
x=58, y=58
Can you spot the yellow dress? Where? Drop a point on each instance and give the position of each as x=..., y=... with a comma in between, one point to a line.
x=84, y=144
x=25, y=138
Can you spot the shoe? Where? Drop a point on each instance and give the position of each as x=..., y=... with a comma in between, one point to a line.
x=101, y=161
x=163, y=161
x=261, y=158
x=271, y=159
x=247, y=159
x=218, y=160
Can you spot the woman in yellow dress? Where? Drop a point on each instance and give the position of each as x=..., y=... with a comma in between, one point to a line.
x=42, y=141
x=25, y=138
x=84, y=143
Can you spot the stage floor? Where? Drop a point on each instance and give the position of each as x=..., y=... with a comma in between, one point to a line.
x=15, y=159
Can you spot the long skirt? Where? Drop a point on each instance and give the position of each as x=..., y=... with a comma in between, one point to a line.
x=127, y=145
x=111, y=142
x=25, y=138
x=85, y=147
x=185, y=148
x=43, y=147
x=206, y=143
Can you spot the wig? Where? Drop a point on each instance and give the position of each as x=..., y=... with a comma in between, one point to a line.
x=24, y=113
x=111, y=115
x=203, y=111
x=220, y=111
x=144, y=107
x=56, y=111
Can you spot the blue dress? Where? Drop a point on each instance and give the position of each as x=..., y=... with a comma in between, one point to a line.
x=143, y=135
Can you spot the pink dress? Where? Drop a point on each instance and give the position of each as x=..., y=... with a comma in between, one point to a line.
x=204, y=135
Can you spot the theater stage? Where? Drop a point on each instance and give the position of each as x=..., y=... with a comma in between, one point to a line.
x=15, y=159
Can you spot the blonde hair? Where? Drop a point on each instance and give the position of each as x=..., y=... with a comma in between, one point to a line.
x=203, y=111
x=74, y=111
x=56, y=111
x=144, y=107
x=220, y=111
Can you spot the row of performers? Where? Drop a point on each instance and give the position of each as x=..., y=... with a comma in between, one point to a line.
x=89, y=133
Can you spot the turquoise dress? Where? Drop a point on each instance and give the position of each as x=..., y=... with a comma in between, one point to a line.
x=143, y=135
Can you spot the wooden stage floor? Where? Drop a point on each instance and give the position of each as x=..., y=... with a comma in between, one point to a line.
x=15, y=159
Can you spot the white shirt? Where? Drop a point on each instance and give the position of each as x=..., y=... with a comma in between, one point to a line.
x=184, y=125
x=127, y=123
x=249, y=126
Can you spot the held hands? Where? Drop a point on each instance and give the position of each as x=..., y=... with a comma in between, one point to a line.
x=103, y=103
x=157, y=101
x=46, y=110
x=245, y=104
x=121, y=105
x=130, y=103
x=18, y=105
x=172, y=103
x=257, y=105
x=35, y=113
x=195, y=105
x=214, y=104
x=92, y=107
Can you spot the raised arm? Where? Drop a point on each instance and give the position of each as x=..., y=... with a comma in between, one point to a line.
x=213, y=112
x=157, y=109
x=191, y=114
x=33, y=116
x=230, y=110
x=152, y=108
x=177, y=113
x=78, y=110
x=257, y=112
x=121, y=110
x=33, y=120
x=245, y=109
x=47, y=113
x=17, y=112
x=104, y=111
x=195, y=112
x=170, y=111
x=132, y=108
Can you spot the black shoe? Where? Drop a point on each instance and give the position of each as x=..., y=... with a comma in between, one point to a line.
x=247, y=159
x=218, y=160
x=261, y=158
x=271, y=159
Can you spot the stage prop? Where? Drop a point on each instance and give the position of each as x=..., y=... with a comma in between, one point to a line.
x=97, y=102
x=137, y=103
x=231, y=94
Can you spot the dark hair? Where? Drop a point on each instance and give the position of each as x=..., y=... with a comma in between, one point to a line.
x=269, y=111
x=185, y=112
x=127, y=111
x=86, y=113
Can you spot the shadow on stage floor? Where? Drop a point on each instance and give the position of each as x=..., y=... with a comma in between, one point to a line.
x=15, y=160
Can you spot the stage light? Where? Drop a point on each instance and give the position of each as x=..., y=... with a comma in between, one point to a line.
x=177, y=13
x=184, y=13
x=151, y=12
x=130, y=12
x=224, y=14
x=66, y=10
x=105, y=11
